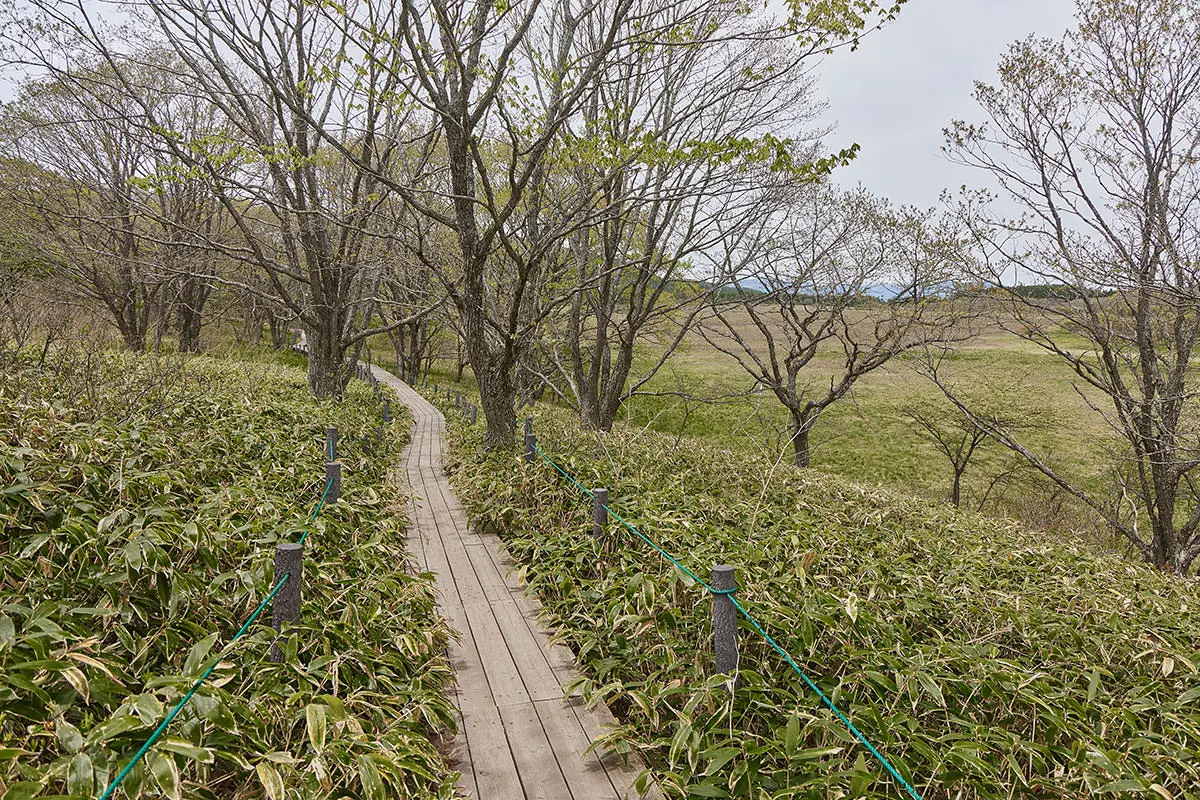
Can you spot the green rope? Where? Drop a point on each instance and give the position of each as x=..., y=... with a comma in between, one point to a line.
x=634, y=530
x=845, y=720
x=320, y=504
x=729, y=593
x=112, y=787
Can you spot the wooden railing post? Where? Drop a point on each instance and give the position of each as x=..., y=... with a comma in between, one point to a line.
x=289, y=560
x=725, y=627
x=530, y=441
x=333, y=478
x=599, y=511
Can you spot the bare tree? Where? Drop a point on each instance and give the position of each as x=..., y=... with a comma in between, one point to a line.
x=83, y=153
x=28, y=270
x=312, y=120
x=711, y=122
x=803, y=304
x=1094, y=138
x=504, y=83
x=957, y=437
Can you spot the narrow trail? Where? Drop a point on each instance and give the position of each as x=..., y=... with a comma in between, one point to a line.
x=519, y=738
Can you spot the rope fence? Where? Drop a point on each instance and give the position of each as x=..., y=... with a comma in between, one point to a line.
x=288, y=561
x=725, y=592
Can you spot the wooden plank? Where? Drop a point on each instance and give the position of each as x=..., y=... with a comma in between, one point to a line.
x=541, y=776
x=586, y=775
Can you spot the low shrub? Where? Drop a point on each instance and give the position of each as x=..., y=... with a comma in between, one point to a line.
x=982, y=660
x=142, y=500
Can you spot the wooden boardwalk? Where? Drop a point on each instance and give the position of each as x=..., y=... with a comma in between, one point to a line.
x=519, y=738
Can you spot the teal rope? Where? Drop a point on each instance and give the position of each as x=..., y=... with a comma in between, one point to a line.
x=845, y=720
x=634, y=530
x=787, y=658
x=320, y=504
x=112, y=787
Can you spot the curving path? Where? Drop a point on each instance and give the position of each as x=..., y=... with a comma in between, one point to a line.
x=520, y=739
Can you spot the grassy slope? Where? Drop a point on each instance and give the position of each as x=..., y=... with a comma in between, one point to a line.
x=983, y=660
x=143, y=500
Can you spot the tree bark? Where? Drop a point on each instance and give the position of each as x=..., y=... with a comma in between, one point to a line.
x=801, y=428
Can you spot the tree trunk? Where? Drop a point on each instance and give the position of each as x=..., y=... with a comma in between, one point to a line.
x=190, y=315
x=412, y=351
x=589, y=411
x=497, y=396
x=956, y=488
x=326, y=376
x=801, y=426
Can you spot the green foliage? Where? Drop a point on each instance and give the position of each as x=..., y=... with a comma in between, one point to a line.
x=983, y=661
x=141, y=504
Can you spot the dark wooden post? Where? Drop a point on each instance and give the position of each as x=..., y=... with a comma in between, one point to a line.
x=599, y=511
x=474, y=414
x=387, y=410
x=333, y=477
x=289, y=560
x=331, y=442
x=530, y=441
x=725, y=627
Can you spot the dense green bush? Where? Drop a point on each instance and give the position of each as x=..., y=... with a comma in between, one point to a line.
x=983, y=661
x=140, y=504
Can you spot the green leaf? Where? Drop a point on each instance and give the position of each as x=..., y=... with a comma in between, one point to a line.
x=148, y=708
x=197, y=658
x=271, y=782
x=69, y=736
x=113, y=727
x=707, y=790
x=930, y=686
x=165, y=772
x=718, y=758
x=8, y=631
x=314, y=715
x=186, y=749
x=1124, y=785
x=22, y=790
x=368, y=775
x=1093, y=685
x=80, y=778
x=791, y=735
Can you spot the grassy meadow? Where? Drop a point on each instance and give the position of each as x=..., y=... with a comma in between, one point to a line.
x=867, y=436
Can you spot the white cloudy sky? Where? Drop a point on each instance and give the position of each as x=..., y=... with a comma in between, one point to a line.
x=908, y=81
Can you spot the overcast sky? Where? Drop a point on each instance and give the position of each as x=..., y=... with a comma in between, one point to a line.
x=908, y=81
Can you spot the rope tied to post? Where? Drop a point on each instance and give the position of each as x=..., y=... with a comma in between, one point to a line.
x=887, y=765
x=195, y=687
